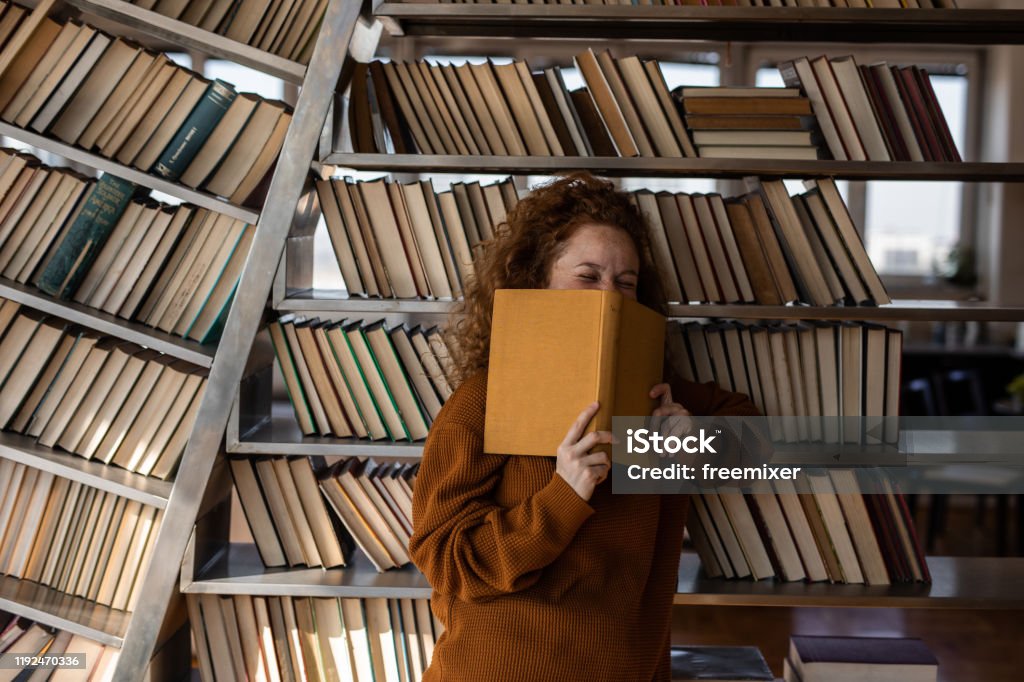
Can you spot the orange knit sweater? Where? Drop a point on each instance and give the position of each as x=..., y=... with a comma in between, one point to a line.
x=531, y=582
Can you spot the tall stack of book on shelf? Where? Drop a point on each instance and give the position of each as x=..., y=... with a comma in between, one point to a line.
x=23, y=637
x=831, y=107
x=286, y=29
x=242, y=637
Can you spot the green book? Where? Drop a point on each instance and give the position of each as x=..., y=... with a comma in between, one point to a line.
x=194, y=132
x=70, y=261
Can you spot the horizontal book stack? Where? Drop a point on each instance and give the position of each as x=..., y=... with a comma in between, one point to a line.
x=815, y=658
x=406, y=241
x=286, y=28
x=374, y=502
x=810, y=369
x=111, y=96
x=97, y=397
x=286, y=513
x=311, y=638
x=23, y=637
x=738, y=123
x=171, y=267
x=351, y=379
x=74, y=538
x=873, y=112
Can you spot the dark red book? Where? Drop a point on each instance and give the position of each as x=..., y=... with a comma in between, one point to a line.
x=913, y=100
x=881, y=522
x=884, y=114
x=938, y=118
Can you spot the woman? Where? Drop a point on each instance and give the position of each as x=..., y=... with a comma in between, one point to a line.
x=539, y=572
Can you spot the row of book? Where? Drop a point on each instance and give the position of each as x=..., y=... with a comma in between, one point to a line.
x=106, y=94
x=810, y=369
x=363, y=380
x=820, y=658
x=405, y=240
x=74, y=538
x=24, y=637
x=372, y=504
x=893, y=4
x=311, y=638
x=171, y=267
x=98, y=397
x=626, y=109
x=766, y=247
x=814, y=528
x=873, y=112
x=287, y=28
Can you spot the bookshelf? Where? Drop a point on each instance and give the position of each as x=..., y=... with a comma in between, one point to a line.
x=140, y=632
x=259, y=426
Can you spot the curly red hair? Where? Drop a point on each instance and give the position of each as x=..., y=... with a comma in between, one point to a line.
x=524, y=247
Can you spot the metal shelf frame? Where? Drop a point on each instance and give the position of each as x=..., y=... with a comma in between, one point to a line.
x=736, y=24
x=64, y=611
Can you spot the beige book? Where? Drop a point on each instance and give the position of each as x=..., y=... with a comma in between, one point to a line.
x=832, y=243
x=316, y=367
x=54, y=224
x=360, y=270
x=682, y=254
x=422, y=101
x=527, y=120
x=24, y=524
x=784, y=384
x=647, y=202
x=339, y=382
x=716, y=249
x=430, y=363
x=220, y=141
x=200, y=287
x=292, y=380
x=112, y=402
x=398, y=87
x=386, y=288
x=405, y=231
x=47, y=529
x=135, y=216
x=426, y=83
x=223, y=234
x=196, y=233
x=135, y=77
x=249, y=633
x=73, y=397
x=537, y=104
x=394, y=525
x=608, y=104
x=10, y=20
x=648, y=109
x=139, y=570
x=332, y=640
x=60, y=385
x=472, y=208
x=293, y=641
x=342, y=504
x=20, y=56
x=475, y=97
x=217, y=636
x=131, y=407
x=417, y=374
x=356, y=382
x=144, y=99
x=772, y=247
x=28, y=211
x=19, y=199
x=668, y=107
x=17, y=482
x=313, y=399
x=202, y=647
x=340, y=237
x=266, y=634
x=390, y=480
x=154, y=116
x=128, y=298
x=440, y=236
x=382, y=647
x=97, y=395
x=171, y=453
x=463, y=118
x=158, y=141
x=30, y=362
x=305, y=631
x=264, y=161
x=124, y=561
x=354, y=615
x=274, y=34
x=287, y=531
x=732, y=251
x=376, y=380
x=257, y=514
x=221, y=293
x=64, y=63
x=61, y=44
x=498, y=107
x=23, y=412
x=227, y=608
x=495, y=207
x=106, y=553
x=106, y=525
x=385, y=229
x=126, y=268
x=835, y=527
x=440, y=347
x=370, y=513
x=81, y=540
x=463, y=257
x=249, y=145
x=95, y=89
x=300, y=28
x=158, y=402
x=840, y=114
x=69, y=514
x=869, y=131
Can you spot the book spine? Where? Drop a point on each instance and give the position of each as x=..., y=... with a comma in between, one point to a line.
x=103, y=208
x=194, y=132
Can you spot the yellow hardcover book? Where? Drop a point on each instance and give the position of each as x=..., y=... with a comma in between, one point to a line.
x=554, y=352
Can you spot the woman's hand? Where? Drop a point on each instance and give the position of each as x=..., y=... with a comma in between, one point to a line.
x=681, y=424
x=580, y=468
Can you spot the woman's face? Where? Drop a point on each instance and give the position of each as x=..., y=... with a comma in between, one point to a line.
x=597, y=256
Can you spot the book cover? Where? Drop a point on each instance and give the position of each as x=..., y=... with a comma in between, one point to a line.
x=554, y=352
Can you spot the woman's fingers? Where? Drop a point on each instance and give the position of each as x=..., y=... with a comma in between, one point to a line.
x=577, y=427
x=584, y=445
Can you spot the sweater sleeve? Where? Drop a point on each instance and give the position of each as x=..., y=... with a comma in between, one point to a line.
x=464, y=542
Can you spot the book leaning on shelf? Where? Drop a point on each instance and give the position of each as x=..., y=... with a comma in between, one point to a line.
x=111, y=96
x=97, y=397
x=23, y=637
x=74, y=538
x=765, y=247
x=892, y=4
x=293, y=638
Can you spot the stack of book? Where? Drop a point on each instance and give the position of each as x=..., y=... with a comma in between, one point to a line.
x=287, y=29
x=300, y=638
x=74, y=538
x=111, y=96
x=98, y=397
x=743, y=123
x=405, y=240
x=171, y=267
x=374, y=501
x=880, y=659
x=874, y=113
x=362, y=380
x=766, y=247
x=286, y=514
x=23, y=637
x=813, y=369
